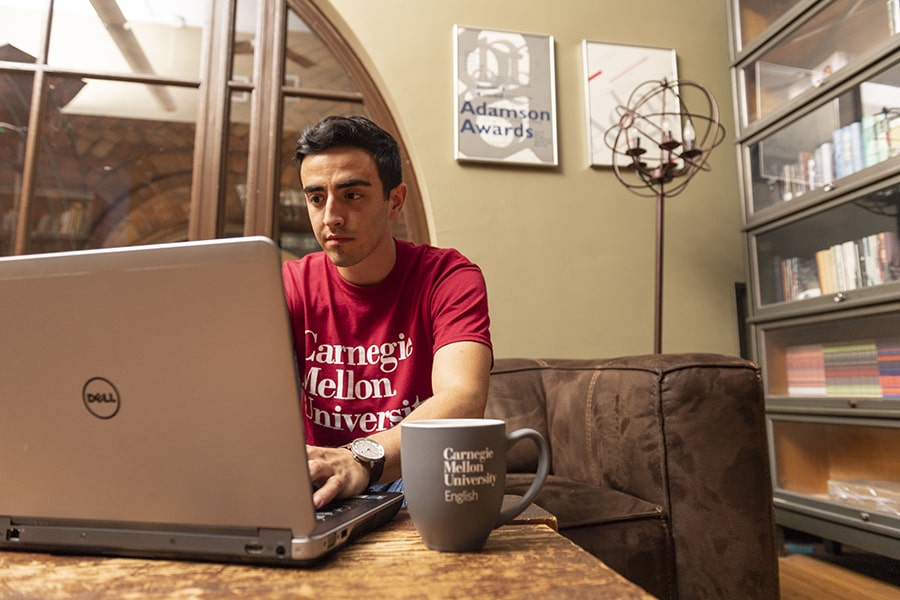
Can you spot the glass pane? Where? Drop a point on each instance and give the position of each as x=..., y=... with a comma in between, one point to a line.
x=755, y=16
x=108, y=175
x=849, y=247
x=163, y=37
x=244, y=40
x=859, y=129
x=836, y=461
x=21, y=29
x=856, y=357
x=237, y=150
x=15, y=94
x=308, y=63
x=295, y=234
x=841, y=33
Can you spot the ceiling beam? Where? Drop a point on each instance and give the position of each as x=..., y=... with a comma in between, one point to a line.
x=117, y=26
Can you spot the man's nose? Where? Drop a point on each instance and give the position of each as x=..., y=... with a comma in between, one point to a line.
x=333, y=215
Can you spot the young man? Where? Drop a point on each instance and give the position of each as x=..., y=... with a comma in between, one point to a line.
x=384, y=330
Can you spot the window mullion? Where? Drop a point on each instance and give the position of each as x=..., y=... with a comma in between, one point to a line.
x=207, y=203
x=265, y=121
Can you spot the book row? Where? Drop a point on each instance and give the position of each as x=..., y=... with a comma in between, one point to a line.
x=75, y=220
x=853, y=147
x=853, y=264
x=859, y=369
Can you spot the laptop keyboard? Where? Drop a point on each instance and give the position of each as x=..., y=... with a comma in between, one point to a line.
x=338, y=507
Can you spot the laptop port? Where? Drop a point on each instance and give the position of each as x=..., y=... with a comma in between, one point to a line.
x=12, y=535
x=253, y=548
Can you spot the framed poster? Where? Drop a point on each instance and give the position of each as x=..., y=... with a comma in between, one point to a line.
x=505, y=97
x=611, y=74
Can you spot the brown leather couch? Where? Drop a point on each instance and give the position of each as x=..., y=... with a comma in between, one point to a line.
x=660, y=466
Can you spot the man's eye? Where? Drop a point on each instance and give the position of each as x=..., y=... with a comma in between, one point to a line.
x=313, y=199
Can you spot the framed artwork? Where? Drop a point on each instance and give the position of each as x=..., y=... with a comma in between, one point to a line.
x=505, y=97
x=611, y=74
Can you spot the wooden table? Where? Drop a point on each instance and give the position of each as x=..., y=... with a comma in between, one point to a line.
x=526, y=559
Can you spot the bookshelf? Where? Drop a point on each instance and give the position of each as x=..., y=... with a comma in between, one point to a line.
x=817, y=101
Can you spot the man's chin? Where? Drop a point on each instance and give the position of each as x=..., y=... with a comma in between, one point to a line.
x=340, y=259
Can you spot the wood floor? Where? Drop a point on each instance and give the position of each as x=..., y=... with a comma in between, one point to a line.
x=810, y=577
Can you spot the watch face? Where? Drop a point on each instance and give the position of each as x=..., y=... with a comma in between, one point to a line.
x=368, y=449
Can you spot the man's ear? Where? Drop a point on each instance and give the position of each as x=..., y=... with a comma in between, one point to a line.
x=397, y=199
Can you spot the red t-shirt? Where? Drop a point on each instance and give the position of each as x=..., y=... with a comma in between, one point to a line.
x=365, y=352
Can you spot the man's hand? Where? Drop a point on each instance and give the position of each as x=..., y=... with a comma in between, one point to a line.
x=336, y=474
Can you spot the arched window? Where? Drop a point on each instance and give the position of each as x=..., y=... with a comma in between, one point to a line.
x=125, y=122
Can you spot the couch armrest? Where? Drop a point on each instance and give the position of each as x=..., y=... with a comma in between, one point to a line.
x=683, y=431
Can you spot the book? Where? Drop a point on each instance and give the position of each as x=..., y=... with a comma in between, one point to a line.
x=889, y=254
x=826, y=269
x=874, y=137
x=805, y=370
x=888, y=360
x=851, y=369
x=857, y=155
x=824, y=157
x=837, y=142
x=797, y=279
x=806, y=279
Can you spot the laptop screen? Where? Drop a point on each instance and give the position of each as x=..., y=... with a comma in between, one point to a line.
x=152, y=384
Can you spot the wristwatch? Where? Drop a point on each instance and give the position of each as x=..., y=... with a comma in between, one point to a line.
x=369, y=453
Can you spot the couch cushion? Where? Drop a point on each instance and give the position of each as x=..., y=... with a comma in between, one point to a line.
x=628, y=534
x=576, y=504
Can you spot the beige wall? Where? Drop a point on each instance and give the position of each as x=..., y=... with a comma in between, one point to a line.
x=568, y=253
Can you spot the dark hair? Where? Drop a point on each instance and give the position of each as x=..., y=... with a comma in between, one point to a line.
x=358, y=132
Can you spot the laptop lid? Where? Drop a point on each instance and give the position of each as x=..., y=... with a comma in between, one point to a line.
x=152, y=385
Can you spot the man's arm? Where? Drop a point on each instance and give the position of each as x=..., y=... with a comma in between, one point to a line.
x=459, y=380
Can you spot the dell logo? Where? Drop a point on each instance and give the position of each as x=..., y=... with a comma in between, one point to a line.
x=101, y=398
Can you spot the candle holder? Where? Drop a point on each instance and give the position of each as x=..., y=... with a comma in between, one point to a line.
x=658, y=145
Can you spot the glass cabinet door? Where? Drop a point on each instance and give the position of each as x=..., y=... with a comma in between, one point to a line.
x=846, y=249
x=823, y=45
x=839, y=361
x=755, y=16
x=859, y=128
x=841, y=461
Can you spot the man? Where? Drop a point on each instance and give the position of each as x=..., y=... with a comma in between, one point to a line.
x=383, y=330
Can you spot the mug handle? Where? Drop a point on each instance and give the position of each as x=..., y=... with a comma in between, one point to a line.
x=542, y=471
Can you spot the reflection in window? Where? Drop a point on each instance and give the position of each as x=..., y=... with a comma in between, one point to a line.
x=162, y=37
x=127, y=85
x=308, y=63
x=755, y=16
x=107, y=176
x=20, y=29
x=857, y=130
x=15, y=94
x=244, y=40
x=237, y=151
x=841, y=33
x=296, y=235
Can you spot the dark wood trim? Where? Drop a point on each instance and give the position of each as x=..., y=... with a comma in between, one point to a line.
x=263, y=184
x=32, y=138
x=23, y=218
x=316, y=94
x=209, y=146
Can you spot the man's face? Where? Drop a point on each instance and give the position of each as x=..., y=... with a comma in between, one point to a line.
x=350, y=216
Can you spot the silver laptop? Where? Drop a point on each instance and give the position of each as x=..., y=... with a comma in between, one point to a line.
x=150, y=407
